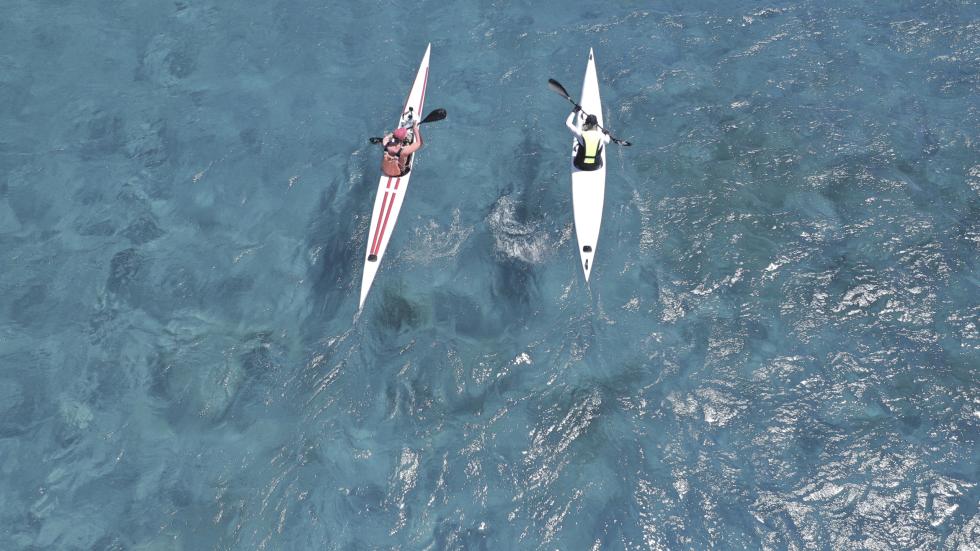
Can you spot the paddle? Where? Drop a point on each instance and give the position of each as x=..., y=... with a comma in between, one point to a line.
x=435, y=115
x=557, y=87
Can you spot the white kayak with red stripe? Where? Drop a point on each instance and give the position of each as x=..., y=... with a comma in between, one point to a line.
x=391, y=190
x=588, y=186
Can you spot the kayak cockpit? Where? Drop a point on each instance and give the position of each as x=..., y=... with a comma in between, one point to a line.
x=578, y=156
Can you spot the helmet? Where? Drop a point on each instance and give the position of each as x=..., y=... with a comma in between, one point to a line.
x=591, y=119
x=400, y=133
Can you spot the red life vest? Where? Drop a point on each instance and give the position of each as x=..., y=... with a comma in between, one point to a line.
x=391, y=162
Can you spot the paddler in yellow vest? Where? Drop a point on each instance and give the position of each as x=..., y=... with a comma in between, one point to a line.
x=591, y=140
x=394, y=162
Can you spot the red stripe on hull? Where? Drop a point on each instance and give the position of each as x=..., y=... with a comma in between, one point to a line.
x=385, y=226
x=377, y=229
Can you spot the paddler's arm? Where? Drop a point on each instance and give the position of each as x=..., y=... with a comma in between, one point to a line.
x=414, y=146
x=569, y=122
x=386, y=139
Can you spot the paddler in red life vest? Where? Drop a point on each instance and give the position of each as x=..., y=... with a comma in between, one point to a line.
x=591, y=141
x=398, y=150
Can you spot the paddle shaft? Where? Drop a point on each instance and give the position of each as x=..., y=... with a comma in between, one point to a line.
x=560, y=90
x=435, y=115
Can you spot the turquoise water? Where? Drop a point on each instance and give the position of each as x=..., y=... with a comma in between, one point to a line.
x=779, y=346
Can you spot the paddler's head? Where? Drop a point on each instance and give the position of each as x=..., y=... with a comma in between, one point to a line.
x=591, y=121
x=400, y=134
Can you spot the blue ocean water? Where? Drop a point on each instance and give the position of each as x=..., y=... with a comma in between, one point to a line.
x=778, y=349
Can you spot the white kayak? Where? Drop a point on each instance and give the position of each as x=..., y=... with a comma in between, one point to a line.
x=392, y=189
x=588, y=186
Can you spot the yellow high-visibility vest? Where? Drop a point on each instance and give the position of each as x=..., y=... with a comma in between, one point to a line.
x=592, y=139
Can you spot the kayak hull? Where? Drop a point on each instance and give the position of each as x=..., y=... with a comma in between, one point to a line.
x=391, y=191
x=588, y=186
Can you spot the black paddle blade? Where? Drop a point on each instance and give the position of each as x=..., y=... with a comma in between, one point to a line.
x=623, y=142
x=436, y=115
x=557, y=87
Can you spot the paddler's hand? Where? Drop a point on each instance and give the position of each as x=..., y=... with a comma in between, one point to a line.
x=577, y=108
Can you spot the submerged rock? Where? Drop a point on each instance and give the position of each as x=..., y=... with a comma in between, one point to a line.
x=196, y=369
x=124, y=269
x=14, y=411
x=142, y=230
x=11, y=396
x=30, y=307
x=398, y=312
x=165, y=61
x=76, y=415
x=462, y=312
x=98, y=133
x=148, y=143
